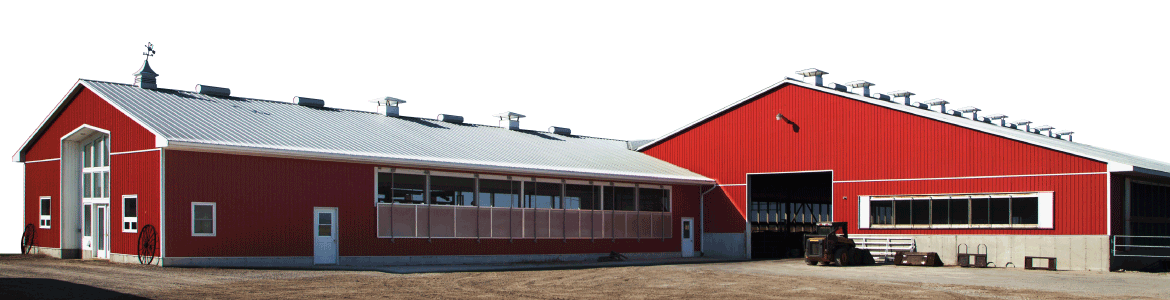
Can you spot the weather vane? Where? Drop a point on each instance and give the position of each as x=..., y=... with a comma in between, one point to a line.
x=149, y=50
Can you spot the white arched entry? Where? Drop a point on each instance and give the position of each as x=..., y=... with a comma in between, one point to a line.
x=85, y=193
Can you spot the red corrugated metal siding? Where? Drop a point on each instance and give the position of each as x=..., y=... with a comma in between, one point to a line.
x=861, y=141
x=44, y=178
x=34, y=189
x=88, y=108
x=264, y=208
x=133, y=174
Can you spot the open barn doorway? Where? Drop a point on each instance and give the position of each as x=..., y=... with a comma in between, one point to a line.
x=782, y=207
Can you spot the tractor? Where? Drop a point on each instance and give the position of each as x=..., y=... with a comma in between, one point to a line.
x=825, y=246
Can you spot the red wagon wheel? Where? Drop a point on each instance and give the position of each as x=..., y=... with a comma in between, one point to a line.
x=147, y=244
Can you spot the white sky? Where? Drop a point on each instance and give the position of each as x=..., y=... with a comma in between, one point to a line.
x=620, y=69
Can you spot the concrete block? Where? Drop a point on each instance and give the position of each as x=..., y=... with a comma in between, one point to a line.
x=1032, y=248
x=1019, y=246
x=1003, y=254
x=1047, y=246
x=1096, y=253
x=1063, y=256
x=1078, y=252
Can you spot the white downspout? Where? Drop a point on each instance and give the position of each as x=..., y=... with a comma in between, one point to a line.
x=702, y=217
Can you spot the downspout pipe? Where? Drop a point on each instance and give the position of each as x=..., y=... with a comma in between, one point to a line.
x=702, y=217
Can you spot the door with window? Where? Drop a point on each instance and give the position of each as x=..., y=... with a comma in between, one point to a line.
x=101, y=238
x=688, y=239
x=325, y=235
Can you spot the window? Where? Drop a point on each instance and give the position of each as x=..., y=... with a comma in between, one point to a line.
x=619, y=198
x=542, y=195
x=130, y=213
x=87, y=216
x=499, y=193
x=46, y=212
x=452, y=190
x=203, y=218
x=657, y=200
x=582, y=196
x=402, y=188
x=95, y=169
x=1007, y=210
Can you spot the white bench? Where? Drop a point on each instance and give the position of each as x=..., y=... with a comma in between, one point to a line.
x=884, y=247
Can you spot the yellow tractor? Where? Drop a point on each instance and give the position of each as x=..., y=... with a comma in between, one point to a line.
x=825, y=246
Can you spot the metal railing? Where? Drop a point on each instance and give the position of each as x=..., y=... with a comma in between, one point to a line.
x=884, y=247
x=1123, y=245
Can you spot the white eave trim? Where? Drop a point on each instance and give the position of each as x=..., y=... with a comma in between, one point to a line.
x=422, y=162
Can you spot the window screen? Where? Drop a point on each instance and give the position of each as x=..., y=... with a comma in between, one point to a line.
x=409, y=188
x=902, y=212
x=881, y=212
x=940, y=211
x=499, y=193
x=980, y=211
x=582, y=196
x=1025, y=211
x=203, y=219
x=650, y=200
x=1000, y=210
x=959, y=208
x=452, y=190
x=623, y=198
x=921, y=209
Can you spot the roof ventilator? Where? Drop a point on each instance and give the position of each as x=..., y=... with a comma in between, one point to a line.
x=837, y=86
x=1001, y=117
x=1064, y=133
x=310, y=102
x=560, y=130
x=146, y=77
x=512, y=118
x=1043, y=128
x=903, y=94
x=212, y=90
x=813, y=72
x=938, y=102
x=450, y=118
x=390, y=103
x=860, y=84
x=1027, y=125
x=970, y=109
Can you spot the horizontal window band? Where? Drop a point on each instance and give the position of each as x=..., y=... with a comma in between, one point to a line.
x=523, y=238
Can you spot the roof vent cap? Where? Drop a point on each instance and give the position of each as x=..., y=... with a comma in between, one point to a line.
x=512, y=118
x=213, y=90
x=862, y=84
x=1043, y=128
x=450, y=118
x=903, y=94
x=1027, y=125
x=970, y=109
x=390, y=103
x=939, y=102
x=814, y=72
x=1064, y=133
x=310, y=102
x=560, y=130
x=836, y=86
x=1001, y=117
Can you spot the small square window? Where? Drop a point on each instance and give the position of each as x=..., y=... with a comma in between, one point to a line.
x=46, y=212
x=129, y=213
x=203, y=218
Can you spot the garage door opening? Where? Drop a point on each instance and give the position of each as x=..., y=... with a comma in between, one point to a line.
x=782, y=207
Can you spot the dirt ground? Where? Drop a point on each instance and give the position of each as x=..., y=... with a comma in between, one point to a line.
x=38, y=277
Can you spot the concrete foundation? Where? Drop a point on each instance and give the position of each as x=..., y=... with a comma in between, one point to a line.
x=306, y=261
x=725, y=245
x=1072, y=252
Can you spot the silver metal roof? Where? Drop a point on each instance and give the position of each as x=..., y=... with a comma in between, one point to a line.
x=1117, y=161
x=189, y=120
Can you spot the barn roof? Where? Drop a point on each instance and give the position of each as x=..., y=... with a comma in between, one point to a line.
x=1117, y=161
x=188, y=120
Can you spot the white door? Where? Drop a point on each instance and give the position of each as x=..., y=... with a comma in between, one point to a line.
x=325, y=236
x=87, y=228
x=101, y=239
x=688, y=238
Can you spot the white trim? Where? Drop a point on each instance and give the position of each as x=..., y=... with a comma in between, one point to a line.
x=577, y=182
x=43, y=160
x=214, y=219
x=46, y=220
x=135, y=151
x=452, y=174
x=128, y=219
x=863, y=212
x=409, y=171
x=162, y=204
x=1045, y=206
x=84, y=126
x=623, y=184
x=734, y=184
x=547, y=180
x=493, y=177
x=418, y=162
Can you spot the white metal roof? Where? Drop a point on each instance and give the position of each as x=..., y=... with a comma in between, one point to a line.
x=191, y=121
x=1117, y=161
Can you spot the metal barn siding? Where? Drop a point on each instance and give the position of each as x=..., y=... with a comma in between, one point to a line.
x=133, y=174
x=862, y=141
x=35, y=187
x=88, y=108
x=264, y=208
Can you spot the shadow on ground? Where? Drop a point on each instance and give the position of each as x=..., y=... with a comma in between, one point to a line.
x=38, y=288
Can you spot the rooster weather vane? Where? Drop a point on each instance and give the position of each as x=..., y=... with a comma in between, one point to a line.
x=149, y=50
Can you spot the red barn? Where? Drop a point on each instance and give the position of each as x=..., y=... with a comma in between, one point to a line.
x=202, y=178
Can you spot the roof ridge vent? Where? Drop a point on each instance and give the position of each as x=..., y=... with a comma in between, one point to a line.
x=1001, y=117
x=1043, y=128
x=862, y=84
x=450, y=118
x=560, y=130
x=837, y=86
x=1064, y=133
x=390, y=103
x=939, y=102
x=814, y=72
x=213, y=90
x=903, y=94
x=1022, y=122
x=512, y=118
x=310, y=102
x=970, y=109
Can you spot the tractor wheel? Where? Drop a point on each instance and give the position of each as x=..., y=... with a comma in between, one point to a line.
x=810, y=262
x=843, y=257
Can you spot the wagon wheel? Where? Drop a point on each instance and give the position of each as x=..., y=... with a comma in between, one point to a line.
x=26, y=240
x=147, y=244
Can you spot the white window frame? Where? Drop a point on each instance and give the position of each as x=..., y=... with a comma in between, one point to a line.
x=1044, y=209
x=214, y=219
x=46, y=220
x=134, y=219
